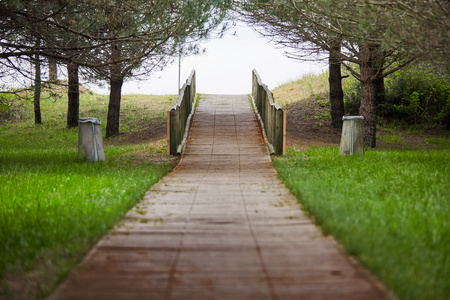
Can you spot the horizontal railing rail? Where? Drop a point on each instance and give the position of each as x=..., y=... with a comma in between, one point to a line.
x=179, y=117
x=271, y=114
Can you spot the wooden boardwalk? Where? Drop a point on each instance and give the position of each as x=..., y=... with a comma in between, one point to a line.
x=220, y=226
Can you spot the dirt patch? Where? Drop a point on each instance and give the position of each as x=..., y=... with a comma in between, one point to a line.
x=153, y=130
x=150, y=134
x=308, y=123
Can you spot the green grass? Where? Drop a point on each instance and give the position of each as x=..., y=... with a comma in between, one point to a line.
x=389, y=209
x=438, y=141
x=53, y=207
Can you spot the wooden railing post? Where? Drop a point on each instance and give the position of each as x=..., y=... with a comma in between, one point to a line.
x=271, y=114
x=178, y=118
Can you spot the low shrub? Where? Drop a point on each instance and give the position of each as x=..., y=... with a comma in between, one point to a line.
x=417, y=95
x=414, y=95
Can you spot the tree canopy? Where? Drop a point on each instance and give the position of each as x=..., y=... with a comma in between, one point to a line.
x=373, y=38
x=111, y=39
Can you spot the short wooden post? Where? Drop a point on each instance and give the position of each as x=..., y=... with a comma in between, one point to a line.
x=284, y=133
x=168, y=133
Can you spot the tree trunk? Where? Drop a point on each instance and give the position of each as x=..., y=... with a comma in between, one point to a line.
x=335, y=81
x=379, y=89
x=372, y=87
x=37, y=87
x=112, y=124
x=73, y=109
x=368, y=110
x=52, y=70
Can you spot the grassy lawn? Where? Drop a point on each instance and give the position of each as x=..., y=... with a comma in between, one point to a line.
x=390, y=209
x=53, y=208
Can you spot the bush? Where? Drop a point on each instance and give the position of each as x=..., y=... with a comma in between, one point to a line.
x=415, y=95
x=13, y=108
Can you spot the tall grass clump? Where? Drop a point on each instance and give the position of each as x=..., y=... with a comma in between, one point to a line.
x=302, y=88
x=389, y=209
x=53, y=207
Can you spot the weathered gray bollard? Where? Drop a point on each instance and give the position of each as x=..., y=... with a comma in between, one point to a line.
x=90, y=140
x=352, y=140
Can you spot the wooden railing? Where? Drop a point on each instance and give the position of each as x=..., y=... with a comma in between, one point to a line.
x=271, y=114
x=179, y=117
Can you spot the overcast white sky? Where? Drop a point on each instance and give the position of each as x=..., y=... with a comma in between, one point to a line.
x=226, y=67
